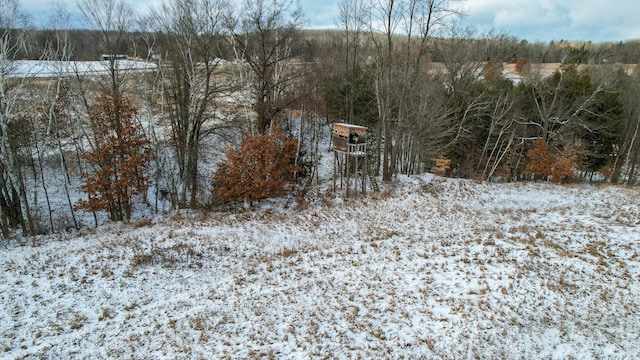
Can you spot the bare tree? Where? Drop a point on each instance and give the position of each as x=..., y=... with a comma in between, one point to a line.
x=151, y=92
x=13, y=199
x=388, y=14
x=349, y=87
x=191, y=43
x=400, y=67
x=461, y=57
x=54, y=102
x=265, y=36
x=628, y=148
x=353, y=40
x=633, y=157
x=500, y=133
x=113, y=19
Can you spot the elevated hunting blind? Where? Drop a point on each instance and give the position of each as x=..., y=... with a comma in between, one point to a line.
x=350, y=157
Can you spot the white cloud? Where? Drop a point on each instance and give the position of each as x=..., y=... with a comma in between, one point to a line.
x=605, y=18
x=321, y=14
x=535, y=14
x=595, y=20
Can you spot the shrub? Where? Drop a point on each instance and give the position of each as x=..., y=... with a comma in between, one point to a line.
x=540, y=160
x=522, y=65
x=260, y=168
x=543, y=164
x=493, y=70
x=119, y=155
x=562, y=168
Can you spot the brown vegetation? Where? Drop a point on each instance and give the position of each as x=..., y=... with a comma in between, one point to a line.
x=120, y=154
x=259, y=169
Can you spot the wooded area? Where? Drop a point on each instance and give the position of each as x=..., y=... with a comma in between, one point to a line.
x=427, y=90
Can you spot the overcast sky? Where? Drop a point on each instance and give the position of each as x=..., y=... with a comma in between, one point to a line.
x=532, y=20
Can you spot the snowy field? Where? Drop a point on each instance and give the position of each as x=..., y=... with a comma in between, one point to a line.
x=52, y=69
x=433, y=268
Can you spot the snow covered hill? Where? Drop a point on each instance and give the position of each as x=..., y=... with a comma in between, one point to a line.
x=433, y=268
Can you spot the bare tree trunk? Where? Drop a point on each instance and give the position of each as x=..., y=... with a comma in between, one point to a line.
x=400, y=72
x=634, y=150
x=44, y=184
x=192, y=35
x=264, y=38
x=16, y=180
x=113, y=19
x=66, y=182
x=11, y=41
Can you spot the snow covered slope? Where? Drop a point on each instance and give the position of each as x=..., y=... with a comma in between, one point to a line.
x=435, y=268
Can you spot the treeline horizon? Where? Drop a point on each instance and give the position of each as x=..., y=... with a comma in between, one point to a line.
x=87, y=46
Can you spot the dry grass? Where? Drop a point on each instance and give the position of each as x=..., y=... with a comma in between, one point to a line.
x=480, y=270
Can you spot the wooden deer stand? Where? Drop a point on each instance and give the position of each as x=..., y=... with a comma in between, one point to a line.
x=350, y=156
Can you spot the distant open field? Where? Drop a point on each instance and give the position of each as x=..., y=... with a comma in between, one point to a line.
x=547, y=69
x=49, y=69
x=52, y=69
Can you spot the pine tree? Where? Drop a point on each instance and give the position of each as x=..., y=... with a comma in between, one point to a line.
x=119, y=156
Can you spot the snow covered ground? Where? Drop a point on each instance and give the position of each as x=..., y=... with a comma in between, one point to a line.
x=51, y=69
x=429, y=268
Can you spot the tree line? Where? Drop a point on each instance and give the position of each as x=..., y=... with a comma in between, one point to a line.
x=87, y=47
x=214, y=122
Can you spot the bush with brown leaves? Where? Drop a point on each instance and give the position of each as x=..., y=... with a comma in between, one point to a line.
x=119, y=156
x=260, y=168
